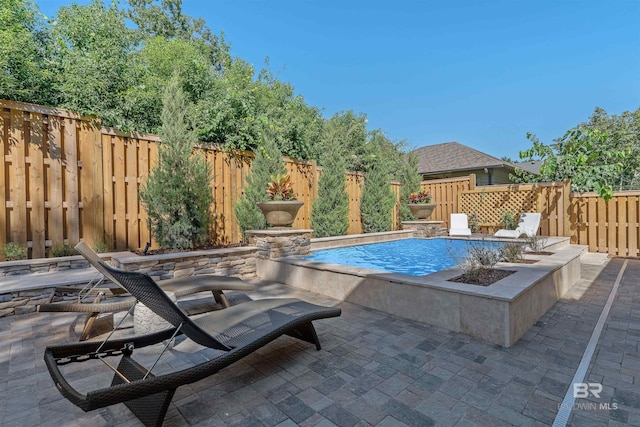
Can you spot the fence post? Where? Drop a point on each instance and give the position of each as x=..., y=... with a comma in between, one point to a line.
x=3, y=201
x=566, y=195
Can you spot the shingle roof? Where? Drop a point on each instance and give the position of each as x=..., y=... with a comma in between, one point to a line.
x=453, y=156
x=532, y=166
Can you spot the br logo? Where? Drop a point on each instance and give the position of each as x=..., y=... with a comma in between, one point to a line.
x=583, y=390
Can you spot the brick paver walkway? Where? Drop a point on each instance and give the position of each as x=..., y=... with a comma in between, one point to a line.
x=374, y=369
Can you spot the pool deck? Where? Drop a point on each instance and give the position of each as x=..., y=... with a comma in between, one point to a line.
x=374, y=369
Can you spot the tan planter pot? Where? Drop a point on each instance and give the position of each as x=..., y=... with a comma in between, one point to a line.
x=422, y=210
x=280, y=213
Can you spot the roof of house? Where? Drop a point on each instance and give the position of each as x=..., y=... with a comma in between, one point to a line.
x=453, y=157
x=531, y=166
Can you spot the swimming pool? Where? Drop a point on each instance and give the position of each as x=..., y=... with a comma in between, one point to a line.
x=414, y=257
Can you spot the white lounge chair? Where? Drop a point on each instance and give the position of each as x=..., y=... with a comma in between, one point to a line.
x=459, y=225
x=527, y=225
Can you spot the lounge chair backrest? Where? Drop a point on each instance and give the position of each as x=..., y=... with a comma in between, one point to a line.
x=529, y=223
x=459, y=220
x=148, y=292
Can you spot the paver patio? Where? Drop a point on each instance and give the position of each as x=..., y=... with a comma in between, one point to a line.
x=373, y=369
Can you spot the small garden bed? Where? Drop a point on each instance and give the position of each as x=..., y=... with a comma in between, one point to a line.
x=484, y=277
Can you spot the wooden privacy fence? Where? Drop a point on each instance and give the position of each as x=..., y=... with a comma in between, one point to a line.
x=610, y=227
x=66, y=178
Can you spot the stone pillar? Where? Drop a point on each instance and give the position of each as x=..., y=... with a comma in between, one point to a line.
x=145, y=321
x=282, y=242
x=425, y=228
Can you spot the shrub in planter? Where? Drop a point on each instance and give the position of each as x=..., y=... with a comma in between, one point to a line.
x=62, y=250
x=14, y=251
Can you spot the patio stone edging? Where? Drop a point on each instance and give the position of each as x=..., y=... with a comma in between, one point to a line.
x=239, y=262
x=45, y=265
x=222, y=262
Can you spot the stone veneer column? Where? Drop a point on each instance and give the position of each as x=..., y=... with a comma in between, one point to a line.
x=425, y=228
x=280, y=242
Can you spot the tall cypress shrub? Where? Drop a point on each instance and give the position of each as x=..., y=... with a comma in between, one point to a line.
x=330, y=213
x=377, y=198
x=177, y=195
x=410, y=180
x=267, y=163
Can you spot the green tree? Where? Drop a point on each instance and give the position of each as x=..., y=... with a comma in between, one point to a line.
x=239, y=110
x=178, y=193
x=601, y=155
x=156, y=62
x=165, y=19
x=353, y=127
x=94, y=47
x=623, y=135
x=410, y=179
x=377, y=198
x=267, y=163
x=25, y=48
x=330, y=213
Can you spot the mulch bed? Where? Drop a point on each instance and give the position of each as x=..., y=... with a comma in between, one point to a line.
x=485, y=277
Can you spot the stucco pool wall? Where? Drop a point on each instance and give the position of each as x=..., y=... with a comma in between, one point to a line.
x=500, y=313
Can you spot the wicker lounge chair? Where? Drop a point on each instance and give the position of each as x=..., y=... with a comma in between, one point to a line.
x=237, y=331
x=122, y=301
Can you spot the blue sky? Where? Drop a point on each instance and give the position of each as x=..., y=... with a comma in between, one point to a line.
x=483, y=73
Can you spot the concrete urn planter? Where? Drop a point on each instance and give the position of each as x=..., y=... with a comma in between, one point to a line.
x=280, y=213
x=422, y=210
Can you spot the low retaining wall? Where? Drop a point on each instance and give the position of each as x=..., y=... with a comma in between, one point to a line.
x=42, y=265
x=27, y=283
x=500, y=313
x=221, y=262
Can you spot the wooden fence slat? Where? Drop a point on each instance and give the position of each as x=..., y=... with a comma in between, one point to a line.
x=143, y=173
x=633, y=225
x=621, y=223
x=119, y=193
x=86, y=157
x=592, y=221
x=3, y=189
x=18, y=179
x=154, y=154
x=55, y=222
x=219, y=197
x=556, y=201
x=108, y=200
x=230, y=177
x=566, y=217
x=36, y=186
x=132, y=203
x=71, y=180
x=609, y=230
x=97, y=173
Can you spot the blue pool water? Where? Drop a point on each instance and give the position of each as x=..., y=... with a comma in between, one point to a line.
x=415, y=257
